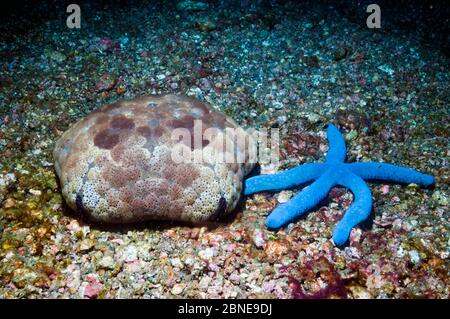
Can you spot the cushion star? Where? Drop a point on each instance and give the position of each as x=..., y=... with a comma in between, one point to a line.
x=334, y=171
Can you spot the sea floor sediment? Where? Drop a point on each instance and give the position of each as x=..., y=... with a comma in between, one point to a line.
x=290, y=66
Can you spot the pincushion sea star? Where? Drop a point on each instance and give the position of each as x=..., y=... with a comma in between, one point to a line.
x=119, y=164
x=334, y=171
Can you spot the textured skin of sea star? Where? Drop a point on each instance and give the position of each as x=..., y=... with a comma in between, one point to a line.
x=334, y=171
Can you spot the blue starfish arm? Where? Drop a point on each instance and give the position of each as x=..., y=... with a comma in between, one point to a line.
x=389, y=172
x=337, y=150
x=357, y=212
x=302, y=202
x=285, y=180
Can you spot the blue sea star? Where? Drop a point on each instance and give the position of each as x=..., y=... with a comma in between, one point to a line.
x=334, y=171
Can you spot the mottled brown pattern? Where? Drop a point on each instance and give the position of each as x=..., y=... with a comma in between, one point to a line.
x=116, y=165
x=151, y=133
x=101, y=119
x=121, y=122
x=106, y=139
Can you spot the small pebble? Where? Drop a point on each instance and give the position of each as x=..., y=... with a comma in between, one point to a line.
x=178, y=289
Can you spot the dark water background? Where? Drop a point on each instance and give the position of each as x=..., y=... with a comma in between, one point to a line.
x=426, y=20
